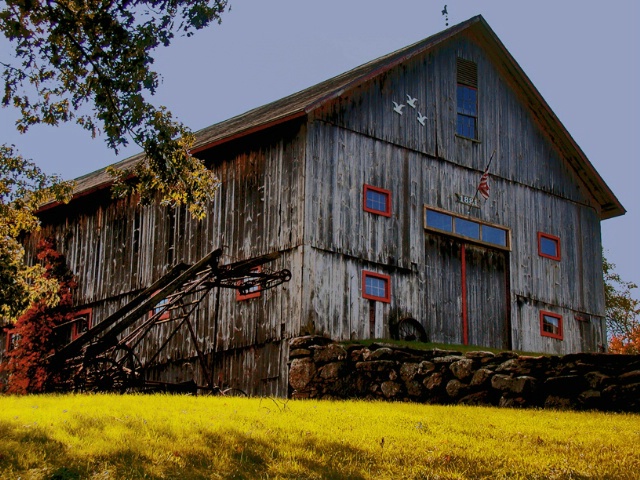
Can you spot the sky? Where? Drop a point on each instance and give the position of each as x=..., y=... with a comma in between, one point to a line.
x=582, y=55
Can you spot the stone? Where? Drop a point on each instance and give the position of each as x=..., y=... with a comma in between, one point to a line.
x=301, y=372
x=629, y=377
x=479, y=399
x=308, y=340
x=330, y=353
x=447, y=359
x=509, y=366
x=426, y=367
x=383, y=353
x=481, y=377
x=299, y=353
x=375, y=366
x=511, y=402
x=408, y=371
x=455, y=388
x=565, y=385
x=331, y=370
x=518, y=385
x=433, y=382
x=558, y=403
x=389, y=389
x=414, y=389
x=462, y=369
x=590, y=398
x=479, y=355
x=437, y=352
x=597, y=379
x=393, y=375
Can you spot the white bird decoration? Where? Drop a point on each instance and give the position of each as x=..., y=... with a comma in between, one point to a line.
x=411, y=101
x=421, y=118
x=398, y=107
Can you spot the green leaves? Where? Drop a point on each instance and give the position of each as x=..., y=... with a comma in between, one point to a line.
x=23, y=189
x=622, y=310
x=89, y=61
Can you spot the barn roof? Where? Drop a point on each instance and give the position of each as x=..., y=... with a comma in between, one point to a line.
x=302, y=103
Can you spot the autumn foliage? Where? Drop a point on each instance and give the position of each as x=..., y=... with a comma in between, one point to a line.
x=25, y=365
x=628, y=343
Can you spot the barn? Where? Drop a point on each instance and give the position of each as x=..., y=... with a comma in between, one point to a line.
x=431, y=193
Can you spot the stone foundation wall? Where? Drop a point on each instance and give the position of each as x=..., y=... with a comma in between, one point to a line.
x=320, y=368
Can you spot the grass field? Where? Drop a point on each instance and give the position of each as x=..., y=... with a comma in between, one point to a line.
x=165, y=436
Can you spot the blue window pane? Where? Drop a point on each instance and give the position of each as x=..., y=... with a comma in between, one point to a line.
x=467, y=228
x=549, y=246
x=376, y=287
x=494, y=235
x=467, y=108
x=438, y=220
x=377, y=201
x=467, y=100
x=551, y=324
x=160, y=305
x=466, y=126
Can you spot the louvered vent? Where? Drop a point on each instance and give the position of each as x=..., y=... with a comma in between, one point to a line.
x=467, y=72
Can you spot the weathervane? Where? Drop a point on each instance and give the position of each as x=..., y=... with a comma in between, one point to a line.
x=446, y=16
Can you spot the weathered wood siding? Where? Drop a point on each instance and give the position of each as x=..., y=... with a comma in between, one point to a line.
x=117, y=247
x=359, y=139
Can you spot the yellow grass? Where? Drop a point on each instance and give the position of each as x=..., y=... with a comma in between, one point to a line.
x=165, y=436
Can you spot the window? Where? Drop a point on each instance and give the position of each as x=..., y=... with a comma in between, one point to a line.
x=377, y=200
x=161, y=307
x=247, y=286
x=551, y=325
x=81, y=323
x=468, y=228
x=13, y=339
x=376, y=286
x=467, y=99
x=548, y=246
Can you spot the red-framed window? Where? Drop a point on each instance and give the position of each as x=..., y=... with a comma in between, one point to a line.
x=551, y=325
x=548, y=246
x=166, y=315
x=376, y=286
x=376, y=200
x=253, y=291
x=81, y=322
x=12, y=340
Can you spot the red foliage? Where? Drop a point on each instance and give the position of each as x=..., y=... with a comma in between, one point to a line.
x=26, y=364
x=629, y=343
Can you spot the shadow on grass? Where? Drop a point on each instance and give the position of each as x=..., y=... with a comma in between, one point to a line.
x=27, y=451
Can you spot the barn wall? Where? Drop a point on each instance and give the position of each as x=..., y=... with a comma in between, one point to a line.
x=359, y=139
x=116, y=248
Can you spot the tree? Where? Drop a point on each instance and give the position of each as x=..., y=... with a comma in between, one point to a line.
x=23, y=186
x=89, y=62
x=26, y=364
x=622, y=311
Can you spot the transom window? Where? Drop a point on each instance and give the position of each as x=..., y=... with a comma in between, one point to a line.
x=377, y=200
x=468, y=228
x=376, y=286
x=248, y=289
x=551, y=325
x=548, y=246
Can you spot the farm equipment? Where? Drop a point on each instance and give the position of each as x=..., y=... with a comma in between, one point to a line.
x=107, y=356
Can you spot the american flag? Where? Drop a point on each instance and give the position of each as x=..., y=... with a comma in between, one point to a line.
x=483, y=187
